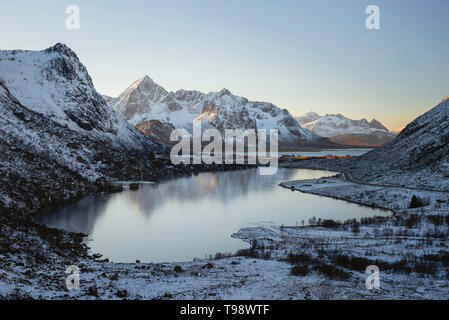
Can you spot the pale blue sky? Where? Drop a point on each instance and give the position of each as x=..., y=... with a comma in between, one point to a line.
x=301, y=55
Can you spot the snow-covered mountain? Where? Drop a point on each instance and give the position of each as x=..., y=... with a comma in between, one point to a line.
x=55, y=129
x=54, y=83
x=154, y=110
x=347, y=131
x=308, y=117
x=418, y=156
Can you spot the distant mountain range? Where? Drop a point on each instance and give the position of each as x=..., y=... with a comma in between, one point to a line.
x=156, y=112
x=346, y=131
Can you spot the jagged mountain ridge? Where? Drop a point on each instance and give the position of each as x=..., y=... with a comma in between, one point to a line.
x=54, y=83
x=146, y=101
x=57, y=134
x=343, y=130
x=308, y=117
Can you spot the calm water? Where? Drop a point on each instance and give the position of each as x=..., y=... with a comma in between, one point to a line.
x=325, y=152
x=189, y=217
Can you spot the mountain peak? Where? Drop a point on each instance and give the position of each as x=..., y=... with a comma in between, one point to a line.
x=217, y=110
x=62, y=49
x=147, y=80
x=145, y=83
x=308, y=117
x=340, y=116
x=377, y=125
x=225, y=92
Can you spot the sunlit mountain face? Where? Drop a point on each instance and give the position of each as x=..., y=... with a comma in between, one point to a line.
x=156, y=112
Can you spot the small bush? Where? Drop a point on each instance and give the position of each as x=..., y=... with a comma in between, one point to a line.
x=298, y=258
x=266, y=255
x=220, y=255
x=356, y=228
x=252, y=253
x=157, y=163
x=299, y=270
x=436, y=219
x=411, y=221
x=442, y=257
x=333, y=272
x=416, y=202
x=177, y=269
x=354, y=263
x=331, y=224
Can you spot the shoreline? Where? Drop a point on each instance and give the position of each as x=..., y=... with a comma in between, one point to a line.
x=266, y=264
x=374, y=206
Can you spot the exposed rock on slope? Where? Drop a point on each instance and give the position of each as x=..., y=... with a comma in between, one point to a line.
x=157, y=130
x=32, y=157
x=345, y=131
x=146, y=101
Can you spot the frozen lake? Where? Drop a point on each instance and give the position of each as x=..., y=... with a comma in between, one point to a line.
x=191, y=217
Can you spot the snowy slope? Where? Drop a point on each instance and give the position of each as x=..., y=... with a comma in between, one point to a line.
x=421, y=147
x=346, y=131
x=54, y=83
x=308, y=117
x=146, y=101
x=56, y=131
x=418, y=157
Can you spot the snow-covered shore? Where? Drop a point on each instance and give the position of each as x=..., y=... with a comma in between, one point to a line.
x=410, y=249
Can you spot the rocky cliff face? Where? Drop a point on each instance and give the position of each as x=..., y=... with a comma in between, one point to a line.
x=146, y=101
x=57, y=134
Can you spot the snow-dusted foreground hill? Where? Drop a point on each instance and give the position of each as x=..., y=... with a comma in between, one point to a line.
x=345, y=131
x=419, y=156
x=155, y=111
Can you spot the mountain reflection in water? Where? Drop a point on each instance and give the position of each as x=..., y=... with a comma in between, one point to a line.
x=188, y=217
